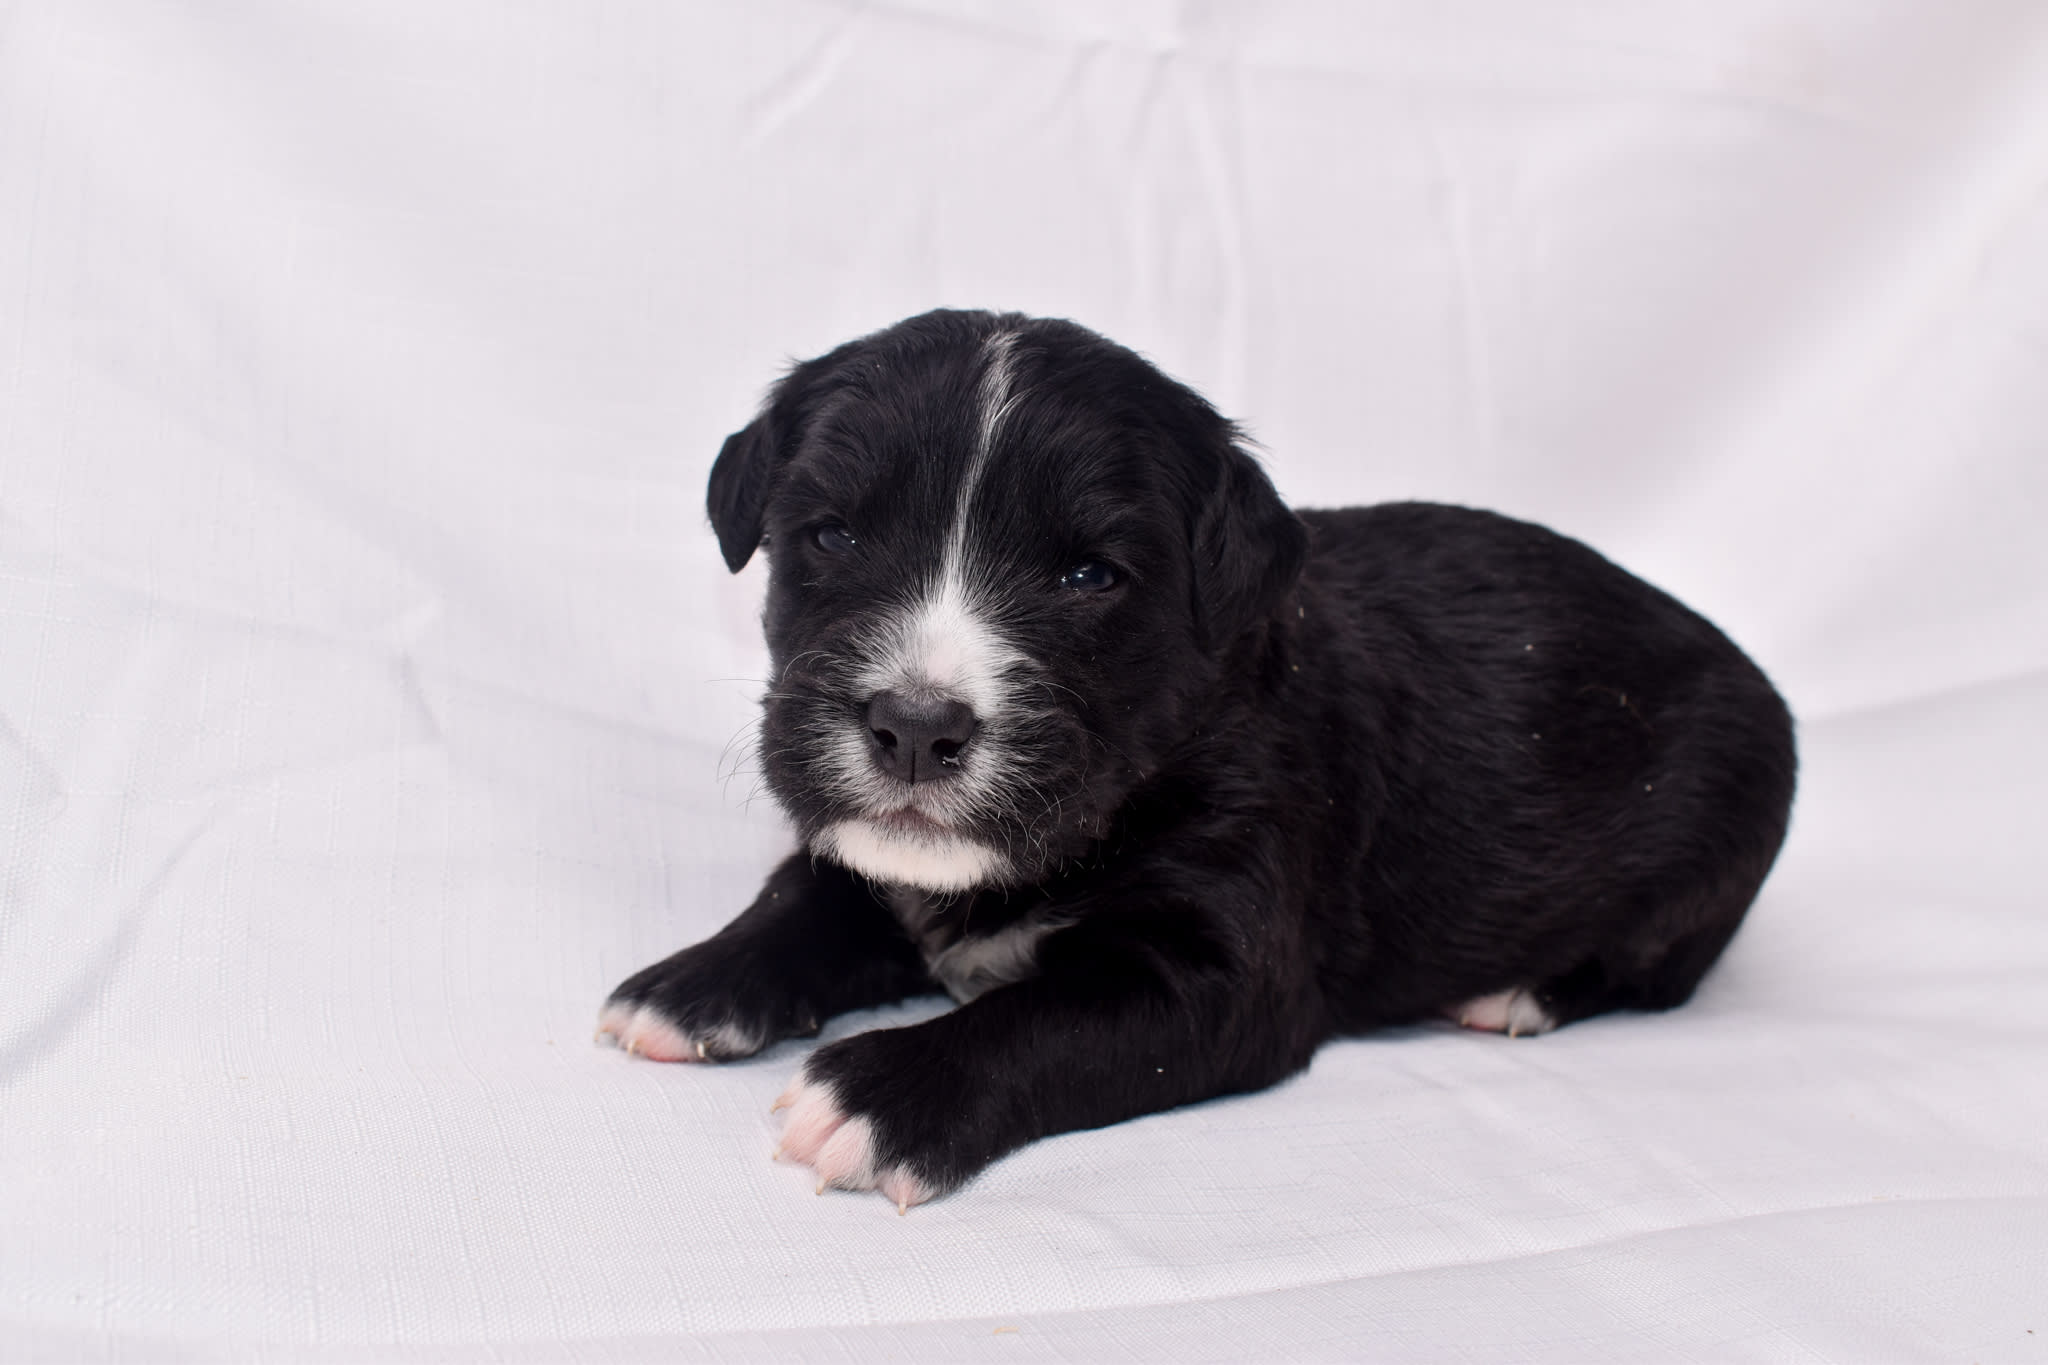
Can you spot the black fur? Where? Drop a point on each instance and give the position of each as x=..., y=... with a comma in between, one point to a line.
x=1290, y=777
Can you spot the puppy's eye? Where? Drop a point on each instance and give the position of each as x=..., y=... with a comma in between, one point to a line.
x=1090, y=575
x=833, y=538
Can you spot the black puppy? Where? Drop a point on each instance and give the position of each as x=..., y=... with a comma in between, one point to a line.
x=1165, y=783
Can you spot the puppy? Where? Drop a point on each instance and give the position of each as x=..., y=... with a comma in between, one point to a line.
x=1167, y=784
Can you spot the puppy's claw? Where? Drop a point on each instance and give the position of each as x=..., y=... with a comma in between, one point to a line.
x=632, y=1047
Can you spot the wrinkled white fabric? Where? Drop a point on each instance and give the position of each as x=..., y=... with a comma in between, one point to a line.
x=373, y=698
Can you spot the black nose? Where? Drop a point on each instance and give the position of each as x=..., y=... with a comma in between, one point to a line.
x=918, y=739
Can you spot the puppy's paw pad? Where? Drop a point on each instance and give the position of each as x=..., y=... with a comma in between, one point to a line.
x=645, y=1031
x=1514, y=1012
x=820, y=1134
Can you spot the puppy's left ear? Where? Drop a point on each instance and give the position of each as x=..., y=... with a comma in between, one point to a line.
x=1249, y=551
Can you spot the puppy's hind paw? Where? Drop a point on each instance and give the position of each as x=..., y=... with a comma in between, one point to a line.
x=1517, y=1013
x=840, y=1148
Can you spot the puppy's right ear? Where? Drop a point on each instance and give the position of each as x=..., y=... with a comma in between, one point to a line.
x=740, y=479
x=750, y=462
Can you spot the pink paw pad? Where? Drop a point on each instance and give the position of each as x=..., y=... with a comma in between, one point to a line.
x=1513, y=1012
x=817, y=1133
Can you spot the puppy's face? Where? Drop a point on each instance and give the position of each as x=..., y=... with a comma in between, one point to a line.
x=1008, y=557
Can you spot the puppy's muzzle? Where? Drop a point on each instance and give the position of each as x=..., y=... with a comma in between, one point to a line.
x=919, y=738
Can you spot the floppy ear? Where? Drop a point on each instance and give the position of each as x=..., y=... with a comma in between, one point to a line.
x=738, y=497
x=751, y=460
x=1249, y=551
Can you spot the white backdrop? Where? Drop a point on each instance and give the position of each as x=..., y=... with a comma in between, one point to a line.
x=372, y=698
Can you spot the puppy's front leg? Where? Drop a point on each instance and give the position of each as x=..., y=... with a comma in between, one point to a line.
x=1126, y=1017
x=814, y=943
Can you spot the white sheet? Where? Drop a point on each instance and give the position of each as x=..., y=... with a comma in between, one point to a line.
x=372, y=698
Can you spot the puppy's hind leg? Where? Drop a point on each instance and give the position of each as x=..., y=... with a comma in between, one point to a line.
x=1658, y=969
x=1649, y=973
x=1656, y=966
x=1728, y=790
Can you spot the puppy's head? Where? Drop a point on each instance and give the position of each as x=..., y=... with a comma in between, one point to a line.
x=1008, y=561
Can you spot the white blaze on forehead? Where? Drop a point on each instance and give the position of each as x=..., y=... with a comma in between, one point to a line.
x=945, y=641
x=998, y=382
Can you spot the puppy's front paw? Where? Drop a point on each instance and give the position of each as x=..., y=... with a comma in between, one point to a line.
x=820, y=1134
x=648, y=1031
x=885, y=1111
x=709, y=1003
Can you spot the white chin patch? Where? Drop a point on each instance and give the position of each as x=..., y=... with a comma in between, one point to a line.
x=932, y=862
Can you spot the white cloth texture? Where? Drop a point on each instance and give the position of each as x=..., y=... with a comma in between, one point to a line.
x=373, y=698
